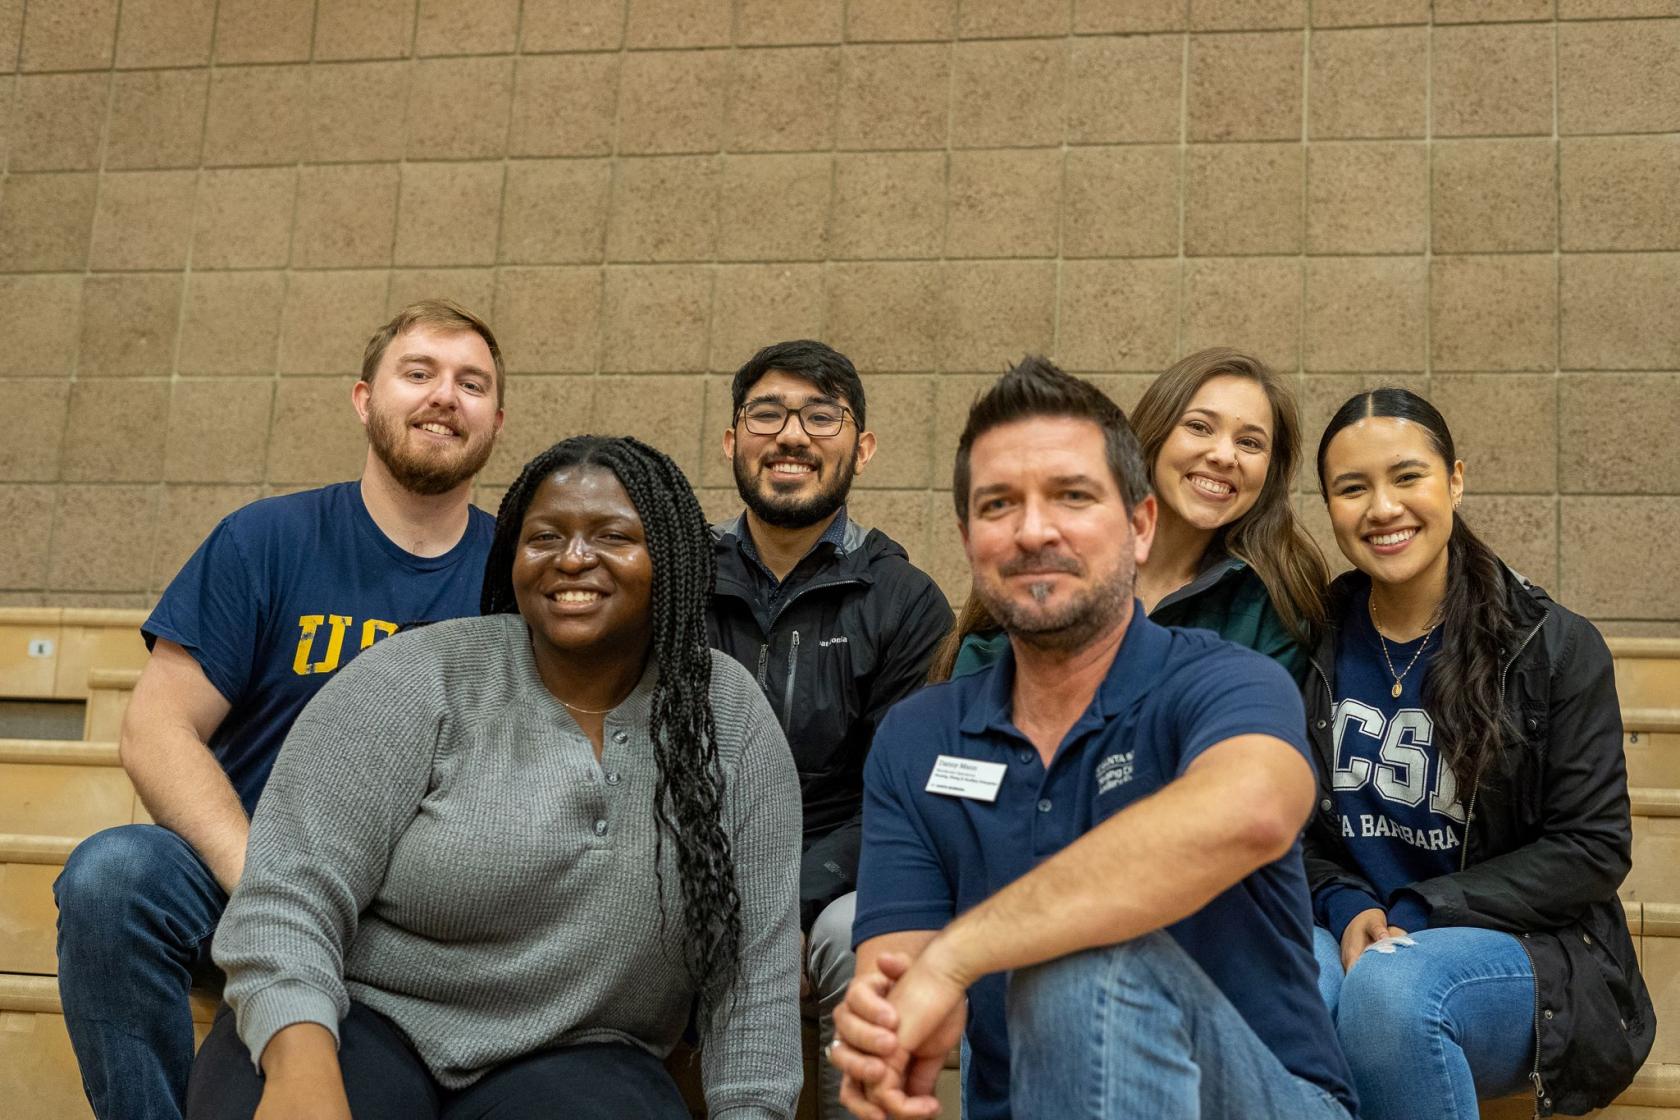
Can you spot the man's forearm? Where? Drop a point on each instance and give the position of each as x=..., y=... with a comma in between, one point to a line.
x=1155, y=862
x=185, y=790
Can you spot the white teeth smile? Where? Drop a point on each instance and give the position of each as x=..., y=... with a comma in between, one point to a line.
x=437, y=429
x=790, y=468
x=1212, y=486
x=578, y=596
x=1383, y=539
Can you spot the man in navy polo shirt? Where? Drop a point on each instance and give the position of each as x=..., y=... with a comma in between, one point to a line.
x=1096, y=840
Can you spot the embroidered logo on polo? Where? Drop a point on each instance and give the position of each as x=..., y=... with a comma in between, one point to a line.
x=1114, y=771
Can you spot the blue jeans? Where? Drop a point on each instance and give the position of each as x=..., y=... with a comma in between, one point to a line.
x=136, y=911
x=1430, y=1027
x=1138, y=1030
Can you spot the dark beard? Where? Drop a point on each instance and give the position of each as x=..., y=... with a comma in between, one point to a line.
x=795, y=513
x=426, y=475
x=1072, y=625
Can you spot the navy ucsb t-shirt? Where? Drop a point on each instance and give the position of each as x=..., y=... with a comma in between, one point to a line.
x=1169, y=695
x=284, y=592
x=1395, y=800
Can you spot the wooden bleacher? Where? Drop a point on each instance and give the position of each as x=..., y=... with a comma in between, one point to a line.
x=55, y=792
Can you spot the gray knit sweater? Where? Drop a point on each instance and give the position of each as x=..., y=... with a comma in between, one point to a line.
x=438, y=842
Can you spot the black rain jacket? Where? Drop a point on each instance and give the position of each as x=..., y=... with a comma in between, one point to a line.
x=850, y=635
x=1548, y=841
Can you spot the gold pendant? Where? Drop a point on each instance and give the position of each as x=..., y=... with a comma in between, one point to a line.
x=1395, y=691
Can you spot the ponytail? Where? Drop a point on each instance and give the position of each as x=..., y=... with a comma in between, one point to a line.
x=1463, y=687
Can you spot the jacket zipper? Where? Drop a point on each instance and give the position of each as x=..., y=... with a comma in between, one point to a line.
x=1464, y=859
x=793, y=671
x=763, y=664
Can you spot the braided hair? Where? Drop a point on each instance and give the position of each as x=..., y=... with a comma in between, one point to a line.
x=688, y=787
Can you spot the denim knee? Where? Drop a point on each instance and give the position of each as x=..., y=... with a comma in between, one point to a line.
x=106, y=871
x=127, y=875
x=1044, y=992
x=1390, y=1000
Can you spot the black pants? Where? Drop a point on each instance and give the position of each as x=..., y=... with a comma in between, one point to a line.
x=386, y=1080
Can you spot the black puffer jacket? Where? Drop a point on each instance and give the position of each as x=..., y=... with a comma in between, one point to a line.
x=850, y=635
x=1548, y=842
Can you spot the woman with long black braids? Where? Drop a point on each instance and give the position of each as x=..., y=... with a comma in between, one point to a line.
x=1473, y=824
x=501, y=859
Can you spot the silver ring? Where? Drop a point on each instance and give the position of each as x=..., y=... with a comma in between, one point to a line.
x=832, y=1047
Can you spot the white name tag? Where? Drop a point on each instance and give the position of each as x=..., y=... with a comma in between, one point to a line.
x=964, y=777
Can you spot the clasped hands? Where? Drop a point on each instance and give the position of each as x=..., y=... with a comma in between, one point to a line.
x=892, y=1033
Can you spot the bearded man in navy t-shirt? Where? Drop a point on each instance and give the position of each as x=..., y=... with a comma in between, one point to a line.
x=1087, y=857
x=282, y=594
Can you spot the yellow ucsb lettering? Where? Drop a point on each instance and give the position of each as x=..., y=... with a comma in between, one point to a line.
x=309, y=626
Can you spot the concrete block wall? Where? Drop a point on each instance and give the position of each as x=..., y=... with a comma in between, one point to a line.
x=207, y=205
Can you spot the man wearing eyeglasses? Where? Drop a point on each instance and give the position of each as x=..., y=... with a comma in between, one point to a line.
x=831, y=617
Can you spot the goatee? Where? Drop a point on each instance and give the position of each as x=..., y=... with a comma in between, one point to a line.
x=1070, y=626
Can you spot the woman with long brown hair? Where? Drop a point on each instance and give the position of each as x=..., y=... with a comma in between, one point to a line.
x=1222, y=436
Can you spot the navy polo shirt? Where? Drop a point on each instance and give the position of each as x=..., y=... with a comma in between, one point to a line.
x=1169, y=695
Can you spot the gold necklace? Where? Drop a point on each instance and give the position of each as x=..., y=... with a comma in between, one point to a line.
x=1371, y=605
x=595, y=711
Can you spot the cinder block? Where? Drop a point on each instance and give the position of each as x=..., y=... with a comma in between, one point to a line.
x=1367, y=198
x=315, y=437
x=548, y=320
x=774, y=23
x=895, y=95
x=328, y=318
x=542, y=409
x=664, y=209
x=70, y=35
x=363, y=28
x=555, y=211
x=678, y=23
x=467, y=27
x=579, y=25
x=1494, y=196
x=889, y=204
x=1619, y=77
x=263, y=30
x=218, y=431
x=672, y=101
x=1250, y=303
x=1364, y=313
x=458, y=108
x=783, y=99
x=894, y=21
x=1242, y=199
x=23, y=551
x=38, y=321
x=165, y=32
x=564, y=106
x=157, y=118
x=996, y=311
x=1618, y=193
x=886, y=315
x=1595, y=454
x=128, y=324
x=1615, y=563
x=1493, y=312
x=86, y=555
x=1492, y=80
x=1008, y=93
x=231, y=322
x=1006, y=19
x=775, y=207
x=1245, y=86
x=1121, y=201
x=57, y=122
x=1369, y=82
x=357, y=111
x=449, y=213
x=654, y=318
x=244, y=218
x=1501, y=457
x=278, y=96
x=1125, y=89
x=1115, y=315
x=112, y=431
x=38, y=409
x=757, y=304
x=1616, y=311
x=46, y=221
x=1004, y=203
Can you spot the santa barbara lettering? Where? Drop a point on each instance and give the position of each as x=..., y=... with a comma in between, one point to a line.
x=1430, y=839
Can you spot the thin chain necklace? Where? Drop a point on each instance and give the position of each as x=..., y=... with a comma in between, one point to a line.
x=587, y=711
x=1371, y=605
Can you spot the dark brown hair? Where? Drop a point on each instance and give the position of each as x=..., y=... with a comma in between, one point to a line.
x=1267, y=538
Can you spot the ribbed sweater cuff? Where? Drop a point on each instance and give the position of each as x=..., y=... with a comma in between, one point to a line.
x=748, y=1112
x=266, y=1013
